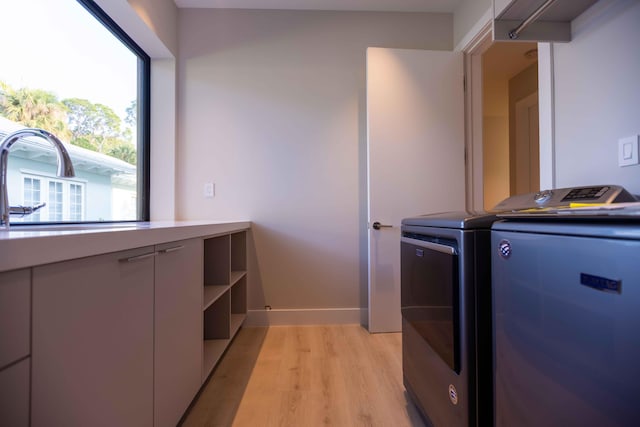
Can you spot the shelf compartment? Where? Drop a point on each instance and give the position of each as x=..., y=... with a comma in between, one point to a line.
x=239, y=251
x=236, y=276
x=216, y=318
x=239, y=297
x=212, y=293
x=217, y=264
x=236, y=322
x=212, y=352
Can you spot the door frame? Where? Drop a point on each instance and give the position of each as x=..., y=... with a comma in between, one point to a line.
x=473, y=49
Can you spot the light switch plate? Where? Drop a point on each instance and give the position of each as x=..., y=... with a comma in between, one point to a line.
x=628, y=150
x=209, y=190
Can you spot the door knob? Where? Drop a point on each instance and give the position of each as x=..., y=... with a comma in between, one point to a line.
x=378, y=226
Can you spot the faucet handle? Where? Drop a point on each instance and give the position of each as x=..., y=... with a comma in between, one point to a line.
x=25, y=210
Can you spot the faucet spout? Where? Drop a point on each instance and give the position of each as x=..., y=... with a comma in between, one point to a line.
x=65, y=166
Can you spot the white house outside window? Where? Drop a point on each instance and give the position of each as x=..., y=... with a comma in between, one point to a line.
x=64, y=200
x=31, y=195
x=75, y=202
x=55, y=201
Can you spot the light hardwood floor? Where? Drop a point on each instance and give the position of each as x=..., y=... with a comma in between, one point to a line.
x=338, y=375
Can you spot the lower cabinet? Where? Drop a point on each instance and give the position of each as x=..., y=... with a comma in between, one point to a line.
x=14, y=395
x=178, y=329
x=92, y=341
x=15, y=318
x=126, y=339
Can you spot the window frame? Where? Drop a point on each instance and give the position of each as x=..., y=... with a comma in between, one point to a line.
x=144, y=108
x=55, y=200
x=73, y=202
x=31, y=201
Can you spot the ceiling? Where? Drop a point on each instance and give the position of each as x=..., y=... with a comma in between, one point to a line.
x=434, y=6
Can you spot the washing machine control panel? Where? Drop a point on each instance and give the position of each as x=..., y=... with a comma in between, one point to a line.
x=564, y=197
x=542, y=197
x=586, y=194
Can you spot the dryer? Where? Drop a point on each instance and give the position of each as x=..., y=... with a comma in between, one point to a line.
x=445, y=304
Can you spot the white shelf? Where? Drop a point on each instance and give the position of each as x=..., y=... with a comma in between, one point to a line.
x=224, y=295
x=212, y=293
x=236, y=322
x=235, y=276
x=553, y=25
x=212, y=351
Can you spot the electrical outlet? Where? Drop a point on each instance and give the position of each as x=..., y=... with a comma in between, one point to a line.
x=628, y=150
x=209, y=190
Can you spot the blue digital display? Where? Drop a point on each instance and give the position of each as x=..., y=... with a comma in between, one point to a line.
x=601, y=283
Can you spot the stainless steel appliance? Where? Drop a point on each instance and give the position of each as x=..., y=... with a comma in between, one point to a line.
x=445, y=303
x=566, y=297
x=561, y=198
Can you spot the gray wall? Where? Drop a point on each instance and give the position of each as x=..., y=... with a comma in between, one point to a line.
x=271, y=108
x=467, y=15
x=597, y=95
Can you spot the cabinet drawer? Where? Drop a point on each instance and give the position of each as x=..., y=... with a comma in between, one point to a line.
x=15, y=314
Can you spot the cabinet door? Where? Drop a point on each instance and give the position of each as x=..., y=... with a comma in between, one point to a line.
x=178, y=328
x=92, y=348
x=14, y=395
x=15, y=314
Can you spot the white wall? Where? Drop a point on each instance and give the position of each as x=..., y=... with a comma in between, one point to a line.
x=272, y=109
x=597, y=95
x=495, y=141
x=150, y=23
x=161, y=17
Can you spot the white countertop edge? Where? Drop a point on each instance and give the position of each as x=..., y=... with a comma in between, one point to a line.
x=20, y=248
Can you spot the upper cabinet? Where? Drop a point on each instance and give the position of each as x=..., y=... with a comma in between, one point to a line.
x=536, y=20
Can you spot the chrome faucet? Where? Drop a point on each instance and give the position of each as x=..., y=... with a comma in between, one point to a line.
x=65, y=169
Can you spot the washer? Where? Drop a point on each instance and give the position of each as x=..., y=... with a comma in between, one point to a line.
x=566, y=299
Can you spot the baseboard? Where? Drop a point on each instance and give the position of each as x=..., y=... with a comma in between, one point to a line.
x=294, y=317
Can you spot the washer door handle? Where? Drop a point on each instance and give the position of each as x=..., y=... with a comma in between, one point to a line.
x=378, y=226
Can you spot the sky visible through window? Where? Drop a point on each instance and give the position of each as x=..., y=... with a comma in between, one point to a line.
x=62, y=70
x=56, y=46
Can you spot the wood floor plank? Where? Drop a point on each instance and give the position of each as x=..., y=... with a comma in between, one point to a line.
x=336, y=375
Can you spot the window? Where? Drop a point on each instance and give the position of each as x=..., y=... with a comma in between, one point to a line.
x=95, y=98
x=55, y=201
x=75, y=202
x=32, y=196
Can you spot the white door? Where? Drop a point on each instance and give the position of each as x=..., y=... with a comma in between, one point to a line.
x=415, y=121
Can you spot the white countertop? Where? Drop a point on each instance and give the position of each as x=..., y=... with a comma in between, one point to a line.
x=36, y=245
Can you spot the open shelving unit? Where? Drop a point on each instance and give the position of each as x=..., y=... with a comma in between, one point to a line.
x=225, y=294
